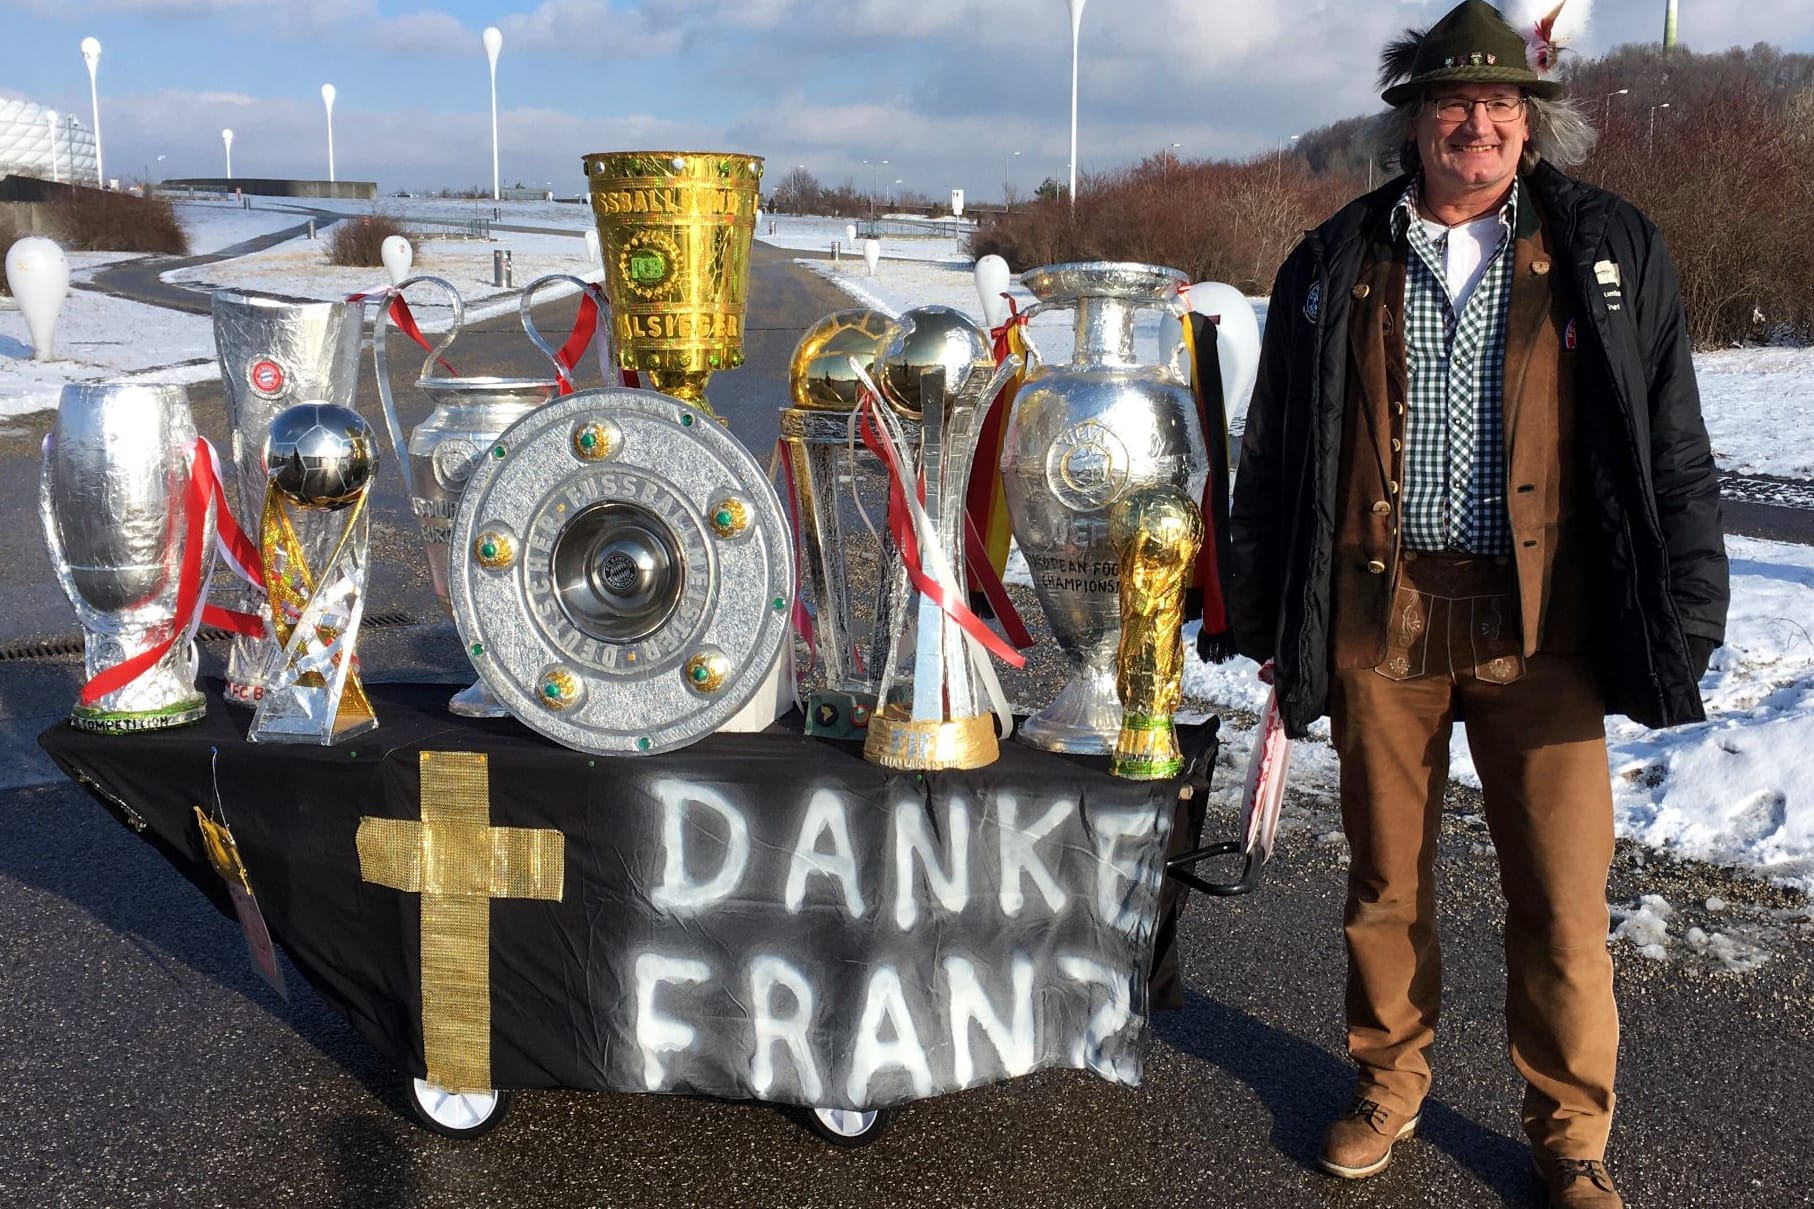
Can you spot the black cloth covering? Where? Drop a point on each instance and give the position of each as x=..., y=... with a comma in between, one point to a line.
x=561, y=977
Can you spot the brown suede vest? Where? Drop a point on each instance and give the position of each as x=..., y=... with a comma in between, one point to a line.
x=1542, y=476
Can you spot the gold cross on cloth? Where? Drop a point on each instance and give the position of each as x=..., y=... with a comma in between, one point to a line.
x=458, y=862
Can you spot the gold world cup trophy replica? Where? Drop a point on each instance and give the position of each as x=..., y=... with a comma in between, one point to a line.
x=674, y=230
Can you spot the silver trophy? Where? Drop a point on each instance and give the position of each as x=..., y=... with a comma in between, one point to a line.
x=1084, y=436
x=274, y=351
x=938, y=706
x=469, y=415
x=314, y=538
x=840, y=502
x=622, y=572
x=113, y=495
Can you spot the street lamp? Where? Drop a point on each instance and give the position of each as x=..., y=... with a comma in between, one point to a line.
x=894, y=193
x=875, y=185
x=1076, y=27
x=327, y=98
x=91, y=55
x=1617, y=92
x=1165, y=164
x=494, y=42
x=50, y=118
x=226, y=136
x=1651, y=138
x=1007, y=175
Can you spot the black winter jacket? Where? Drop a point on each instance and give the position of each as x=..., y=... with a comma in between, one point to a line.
x=1661, y=571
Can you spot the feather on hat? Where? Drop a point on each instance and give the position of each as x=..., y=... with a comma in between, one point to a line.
x=1474, y=44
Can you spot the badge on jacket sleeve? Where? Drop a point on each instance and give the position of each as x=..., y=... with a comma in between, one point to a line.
x=1570, y=336
x=1313, y=302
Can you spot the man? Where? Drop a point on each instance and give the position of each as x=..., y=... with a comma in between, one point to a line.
x=1475, y=485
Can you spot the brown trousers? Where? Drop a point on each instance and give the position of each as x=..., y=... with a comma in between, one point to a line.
x=1536, y=731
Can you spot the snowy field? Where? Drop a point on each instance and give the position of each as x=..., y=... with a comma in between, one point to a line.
x=1728, y=791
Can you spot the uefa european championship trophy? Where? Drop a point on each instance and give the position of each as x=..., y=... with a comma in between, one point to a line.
x=674, y=229
x=1084, y=437
x=127, y=535
x=314, y=541
x=274, y=351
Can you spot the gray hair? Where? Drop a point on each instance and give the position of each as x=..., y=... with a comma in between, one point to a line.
x=1560, y=133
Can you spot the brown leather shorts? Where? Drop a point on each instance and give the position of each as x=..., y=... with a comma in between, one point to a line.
x=1454, y=615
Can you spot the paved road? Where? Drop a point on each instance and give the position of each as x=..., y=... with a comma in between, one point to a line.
x=143, y=1063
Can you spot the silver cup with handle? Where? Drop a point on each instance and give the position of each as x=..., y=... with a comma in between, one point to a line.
x=274, y=351
x=114, y=498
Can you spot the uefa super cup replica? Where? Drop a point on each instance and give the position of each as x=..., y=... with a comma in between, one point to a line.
x=675, y=230
x=1084, y=437
x=314, y=542
x=131, y=543
x=275, y=351
x=939, y=705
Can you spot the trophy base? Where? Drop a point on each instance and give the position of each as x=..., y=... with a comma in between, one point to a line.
x=186, y=712
x=897, y=741
x=1147, y=749
x=239, y=693
x=476, y=701
x=1084, y=719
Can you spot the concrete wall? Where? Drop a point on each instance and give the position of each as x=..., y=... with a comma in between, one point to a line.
x=267, y=187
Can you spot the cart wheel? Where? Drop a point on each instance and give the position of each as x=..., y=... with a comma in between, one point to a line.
x=847, y=1127
x=468, y=1114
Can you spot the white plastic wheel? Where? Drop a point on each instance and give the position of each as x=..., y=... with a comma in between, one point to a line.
x=464, y=1114
x=845, y=1126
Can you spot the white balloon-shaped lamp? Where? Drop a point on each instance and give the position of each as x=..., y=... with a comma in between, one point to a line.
x=397, y=256
x=850, y=231
x=1237, y=339
x=872, y=252
x=593, y=256
x=37, y=273
x=992, y=278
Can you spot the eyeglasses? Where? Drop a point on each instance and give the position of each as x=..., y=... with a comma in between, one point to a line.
x=1459, y=109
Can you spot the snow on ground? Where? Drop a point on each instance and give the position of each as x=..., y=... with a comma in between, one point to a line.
x=1728, y=790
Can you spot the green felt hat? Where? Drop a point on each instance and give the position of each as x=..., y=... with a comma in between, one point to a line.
x=1471, y=45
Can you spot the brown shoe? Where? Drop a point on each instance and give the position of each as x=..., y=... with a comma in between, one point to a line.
x=1576, y=1183
x=1359, y=1143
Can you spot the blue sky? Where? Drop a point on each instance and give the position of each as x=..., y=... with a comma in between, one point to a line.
x=945, y=90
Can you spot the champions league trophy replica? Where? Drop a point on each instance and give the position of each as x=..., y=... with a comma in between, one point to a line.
x=622, y=573
x=1085, y=437
x=314, y=541
x=274, y=352
x=675, y=230
x=470, y=414
x=939, y=702
x=131, y=539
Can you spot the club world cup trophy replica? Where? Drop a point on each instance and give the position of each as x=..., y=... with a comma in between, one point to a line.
x=1084, y=437
x=314, y=540
x=274, y=351
x=674, y=230
x=131, y=539
x=940, y=704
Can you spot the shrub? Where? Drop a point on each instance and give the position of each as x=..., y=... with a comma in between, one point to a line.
x=93, y=220
x=359, y=242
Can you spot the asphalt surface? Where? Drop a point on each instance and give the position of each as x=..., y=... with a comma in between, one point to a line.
x=143, y=1063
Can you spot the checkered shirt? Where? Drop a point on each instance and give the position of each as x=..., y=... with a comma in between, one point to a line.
x=1454, y=469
